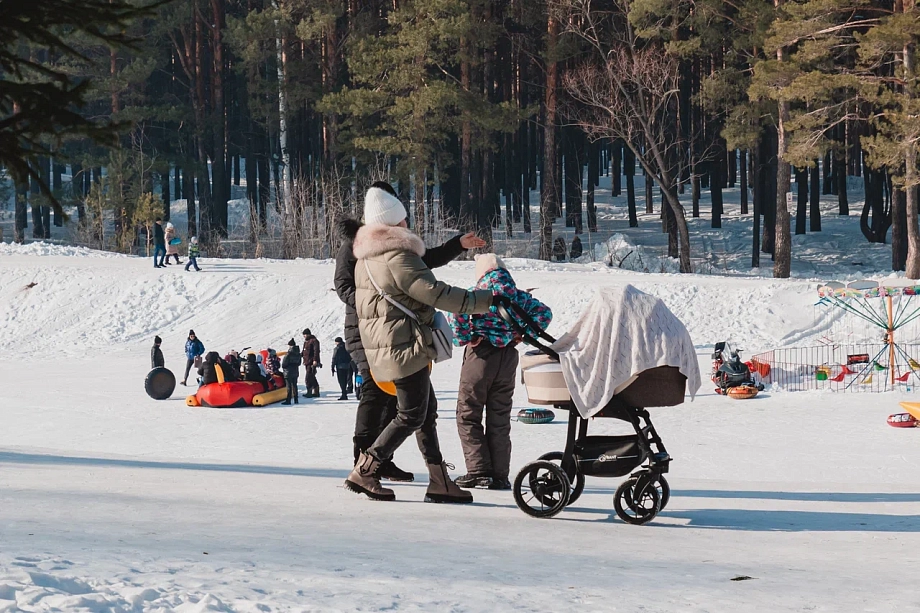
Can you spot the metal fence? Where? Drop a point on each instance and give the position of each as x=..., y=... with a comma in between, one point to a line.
x=840, y=368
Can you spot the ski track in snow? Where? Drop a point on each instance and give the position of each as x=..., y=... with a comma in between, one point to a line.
x=110, y=501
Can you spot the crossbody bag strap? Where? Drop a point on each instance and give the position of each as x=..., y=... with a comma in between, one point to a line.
x=387, y=297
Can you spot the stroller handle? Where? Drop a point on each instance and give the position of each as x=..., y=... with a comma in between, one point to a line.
x=530, y=332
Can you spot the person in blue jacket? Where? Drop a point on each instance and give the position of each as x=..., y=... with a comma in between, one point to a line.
x=194, y=348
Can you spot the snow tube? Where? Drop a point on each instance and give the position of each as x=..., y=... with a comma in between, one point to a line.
x=160, y=383
x=903, y=420
x=266, y=398
x=231, y=394
x=535, y=416
x=742, y=392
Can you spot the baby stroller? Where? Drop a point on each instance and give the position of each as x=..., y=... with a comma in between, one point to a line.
x=543, y=488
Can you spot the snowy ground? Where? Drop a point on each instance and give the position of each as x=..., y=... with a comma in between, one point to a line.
x=110, y=501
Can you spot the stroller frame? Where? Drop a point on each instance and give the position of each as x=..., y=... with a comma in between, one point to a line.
x=543, y=488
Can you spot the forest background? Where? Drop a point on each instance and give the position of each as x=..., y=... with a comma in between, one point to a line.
x=468, y=107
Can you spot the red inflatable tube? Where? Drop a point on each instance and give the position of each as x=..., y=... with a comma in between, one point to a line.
x=233, y=394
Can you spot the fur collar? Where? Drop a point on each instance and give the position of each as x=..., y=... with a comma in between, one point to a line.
x=348, y=228
x=377, y=239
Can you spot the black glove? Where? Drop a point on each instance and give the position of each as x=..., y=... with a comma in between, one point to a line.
x=500, y=300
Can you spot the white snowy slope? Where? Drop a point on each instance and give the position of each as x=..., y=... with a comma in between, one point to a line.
x=111, y=501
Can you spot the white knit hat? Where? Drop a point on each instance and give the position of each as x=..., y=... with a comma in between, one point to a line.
x=381, y=207
x=486, y=262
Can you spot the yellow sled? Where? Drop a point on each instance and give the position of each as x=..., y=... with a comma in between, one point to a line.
x=266, y=398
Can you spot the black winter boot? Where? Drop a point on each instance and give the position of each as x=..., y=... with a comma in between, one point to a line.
x=469, y=481
x=441, y=488
x=392, y=472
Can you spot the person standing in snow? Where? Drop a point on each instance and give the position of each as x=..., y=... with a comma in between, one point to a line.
x=487, y=377
x=156, y=356
x=341, y=366
x=193, y=253
x=194, y=349
x=376, y=408
x=399, y=348
x=291, y=367
x=159, y=244
x=171, y=249
x=311, y=361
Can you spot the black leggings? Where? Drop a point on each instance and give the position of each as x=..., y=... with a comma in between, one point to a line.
x=188, y=367
x=416, y=412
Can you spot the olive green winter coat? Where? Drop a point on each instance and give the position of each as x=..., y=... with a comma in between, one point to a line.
x=396, y=346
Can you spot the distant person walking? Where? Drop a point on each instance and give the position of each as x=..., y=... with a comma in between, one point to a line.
x=194, y=349
x=487, y=377
x=172, y=248
x=159, y=244
x=341, y=366
x=291, y=367
x=311, y=362
x=193, y=253
x=156, y=355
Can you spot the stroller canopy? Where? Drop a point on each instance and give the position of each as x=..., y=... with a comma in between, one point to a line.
x=622, y=333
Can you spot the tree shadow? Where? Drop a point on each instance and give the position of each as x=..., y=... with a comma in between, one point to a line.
x=9, y=457
x=802, y=496
x=791, y=521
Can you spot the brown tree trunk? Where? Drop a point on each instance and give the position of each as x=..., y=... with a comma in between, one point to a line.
x=549, y=202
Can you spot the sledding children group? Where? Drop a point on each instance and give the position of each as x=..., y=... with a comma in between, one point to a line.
x=255, y=368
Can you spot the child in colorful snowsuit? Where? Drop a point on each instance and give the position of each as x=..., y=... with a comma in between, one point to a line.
x=291, y=366
x=193, y=253
x=487, y=377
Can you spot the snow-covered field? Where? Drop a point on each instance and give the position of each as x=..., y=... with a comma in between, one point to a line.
x=111, y=501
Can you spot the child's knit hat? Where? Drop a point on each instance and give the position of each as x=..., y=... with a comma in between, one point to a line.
x=486, y=262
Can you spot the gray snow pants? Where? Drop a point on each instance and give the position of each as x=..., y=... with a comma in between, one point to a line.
x=486, y=382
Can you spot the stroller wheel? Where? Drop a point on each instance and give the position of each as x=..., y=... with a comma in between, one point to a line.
x=664, y=491
x=541, y=489
x=578, y=486
x=637, y=507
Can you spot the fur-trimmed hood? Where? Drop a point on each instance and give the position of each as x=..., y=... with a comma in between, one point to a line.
x=376, y=239
x=349, y=227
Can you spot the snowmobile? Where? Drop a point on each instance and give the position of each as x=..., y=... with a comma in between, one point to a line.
x=732, y=373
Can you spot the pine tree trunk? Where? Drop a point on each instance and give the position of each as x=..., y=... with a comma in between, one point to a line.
x=715, y=183
x=898, y=230
x=815, y=198
x=732, y=167
x=801, y=211
x=21, y=221
x=768, y=177
x=629, y=171
x=743, y=180
x=188, y=187
x=649, y=194
x=616, y=156
x=593, y=172
x=782, y=254
x=549, y=202
x=219, y=122
x=827, y=185
x=167, y=197
x=756, y=169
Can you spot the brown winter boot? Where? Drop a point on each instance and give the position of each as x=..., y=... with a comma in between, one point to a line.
x=441, y=488
x=364, y=480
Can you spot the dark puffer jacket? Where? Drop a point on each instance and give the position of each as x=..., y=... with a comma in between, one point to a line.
x=345, y=263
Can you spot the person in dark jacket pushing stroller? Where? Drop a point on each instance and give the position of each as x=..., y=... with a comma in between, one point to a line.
x=291, y=367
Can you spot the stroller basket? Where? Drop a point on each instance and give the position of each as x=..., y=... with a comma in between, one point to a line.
x=608, y=456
